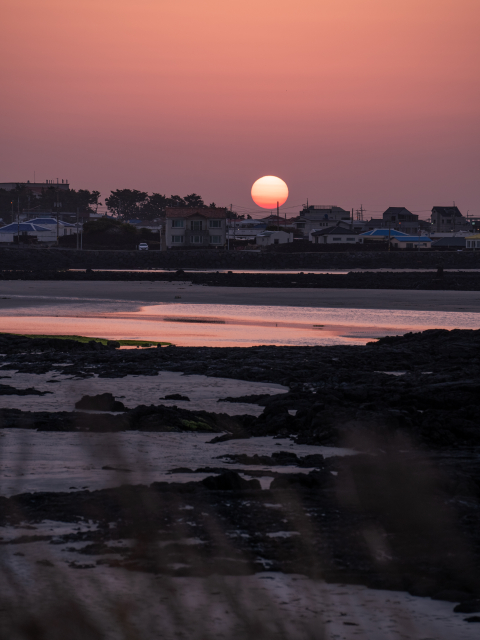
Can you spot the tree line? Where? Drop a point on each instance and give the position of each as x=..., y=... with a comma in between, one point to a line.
x=124, y=204
x=128, y=204
x=51, y=199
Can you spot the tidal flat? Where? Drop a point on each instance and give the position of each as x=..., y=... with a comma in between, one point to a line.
x=345, y=465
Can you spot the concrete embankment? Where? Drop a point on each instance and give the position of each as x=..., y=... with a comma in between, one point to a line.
x=46, y=259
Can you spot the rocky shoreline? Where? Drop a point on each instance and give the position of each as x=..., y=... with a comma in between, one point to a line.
x=404, y=514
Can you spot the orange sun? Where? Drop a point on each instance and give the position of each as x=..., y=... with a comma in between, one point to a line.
x=269, y=190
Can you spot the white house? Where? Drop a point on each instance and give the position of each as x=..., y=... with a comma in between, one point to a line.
x=411, y=242
x=64, y=228
x=25, y=230
x=245, y=229
x=337, y=234
x=195, y=227
x=473, y=242
x=273, y=237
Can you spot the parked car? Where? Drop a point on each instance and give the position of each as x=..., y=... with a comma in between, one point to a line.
x=143, y=246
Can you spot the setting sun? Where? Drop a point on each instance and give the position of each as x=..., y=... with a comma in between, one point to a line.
x=269, y=190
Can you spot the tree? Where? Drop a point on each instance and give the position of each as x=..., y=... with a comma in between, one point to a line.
x=176, y=201
x=154, y=207
x=212, y=205
x=21, y=197
x=67, y=200
x=194, y=201
x=126, y=203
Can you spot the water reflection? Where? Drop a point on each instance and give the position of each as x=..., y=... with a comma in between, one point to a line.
x=231, y=325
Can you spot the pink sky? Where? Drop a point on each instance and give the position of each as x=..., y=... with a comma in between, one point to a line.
x=372, y=102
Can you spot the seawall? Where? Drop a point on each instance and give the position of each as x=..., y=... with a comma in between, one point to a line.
x=45, y=259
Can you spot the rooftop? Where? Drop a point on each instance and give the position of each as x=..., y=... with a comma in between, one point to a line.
x=22, y=226
x=384, y=233
x=188, y=212
x=41, y=221
x=335, y=231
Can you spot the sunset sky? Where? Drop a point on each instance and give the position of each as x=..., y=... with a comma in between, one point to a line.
x=372, y=102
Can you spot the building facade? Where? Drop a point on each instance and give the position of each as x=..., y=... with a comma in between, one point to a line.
x=334, y=235
x=314, y=217
x=449, y=219
x=191, y=227
x=266, y=238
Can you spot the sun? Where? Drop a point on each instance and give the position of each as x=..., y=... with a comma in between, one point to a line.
x=269, y=190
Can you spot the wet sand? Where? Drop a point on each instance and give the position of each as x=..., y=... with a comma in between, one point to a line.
x=27, y=294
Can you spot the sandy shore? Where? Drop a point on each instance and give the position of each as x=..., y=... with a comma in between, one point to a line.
x=25, y=294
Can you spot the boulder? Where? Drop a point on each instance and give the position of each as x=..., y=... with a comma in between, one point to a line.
x=100, y=402
x=230, y=481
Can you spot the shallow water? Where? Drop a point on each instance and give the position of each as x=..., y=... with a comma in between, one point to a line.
x=67, y=461
x=204, y=392
x=226, y=324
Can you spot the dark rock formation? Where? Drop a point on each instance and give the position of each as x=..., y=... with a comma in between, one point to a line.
x=100, y=402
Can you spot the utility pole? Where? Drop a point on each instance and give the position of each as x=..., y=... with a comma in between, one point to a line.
x=77, y=229
x=278, y=218
x=18, y=227
x=389, y=225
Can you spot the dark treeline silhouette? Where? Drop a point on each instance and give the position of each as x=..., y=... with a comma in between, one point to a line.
x=128, y=204
x=125, y=204
x=23, y=199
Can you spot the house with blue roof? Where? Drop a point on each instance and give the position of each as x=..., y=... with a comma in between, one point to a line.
x=381, y=235
x=64, y=228
x=26, y=232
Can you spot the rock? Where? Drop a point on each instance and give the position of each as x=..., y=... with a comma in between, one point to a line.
x=100, y=402
x=230, y=481
x=176, y=396
x=7, y=390
x=473, y=619
x=45, y=563
x=469, y=606
x=449, y=595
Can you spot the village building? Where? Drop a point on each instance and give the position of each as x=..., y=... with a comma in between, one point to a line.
x=337, y=234
x=472, y=242
x=411, y=242
x=64, y=228
x=266, y=238
x=449, y=219
x=26, y=233
x=245, y=229
x=314, y=217
x=380, y=235
x=195, y=227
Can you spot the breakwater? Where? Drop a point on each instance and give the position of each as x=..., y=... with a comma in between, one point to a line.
x=52, y=259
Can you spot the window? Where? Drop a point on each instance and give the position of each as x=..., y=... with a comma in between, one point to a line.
x=336, y=239
x=350, y=239
x=177, y=223
x=215, y=239
x=215, y=224
x=196, y=225
x=409, y=245
x=300, y=225
x=196, y=239
x=177, y=239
